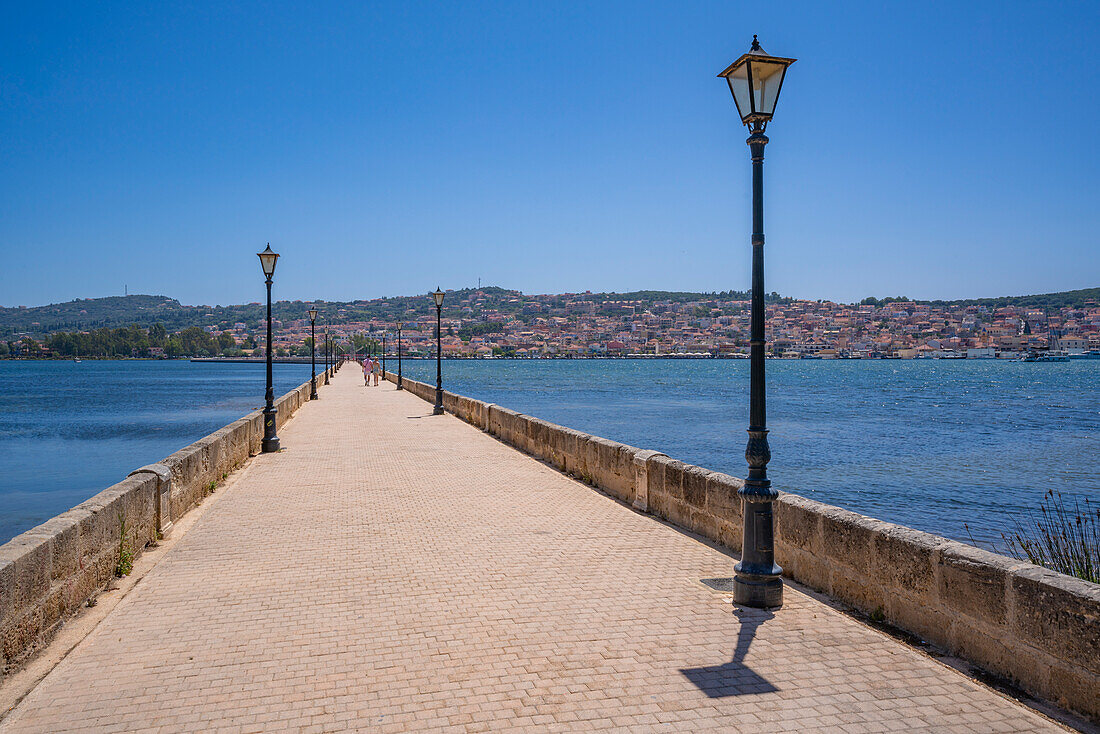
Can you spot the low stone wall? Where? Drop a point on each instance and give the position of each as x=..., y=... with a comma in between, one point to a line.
x=1035, y=627
x=48, y=572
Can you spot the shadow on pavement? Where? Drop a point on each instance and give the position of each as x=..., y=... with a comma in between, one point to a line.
x=735, y=678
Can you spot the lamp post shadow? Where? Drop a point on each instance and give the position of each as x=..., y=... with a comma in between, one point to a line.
x=735, y=678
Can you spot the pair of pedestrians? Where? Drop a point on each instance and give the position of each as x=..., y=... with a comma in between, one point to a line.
x=370, y=367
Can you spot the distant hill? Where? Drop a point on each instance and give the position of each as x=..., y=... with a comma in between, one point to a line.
x=142, y=310
x=1052, y=301
x=92, y=313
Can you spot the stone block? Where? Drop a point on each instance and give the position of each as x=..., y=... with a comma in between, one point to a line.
x=846, y=538
x=1075, y=689
x=29, y=556
x=674, y=478
x=538, y=438
x=798, y=522
x=974, y=582
x=695, y=486
x=855, y=589
x=729, y=534
x=613, y=475
x=802, y=566
x=928, y=623
x=655, y=474
x=590, y=450
x=20, y=634
x=64, y=539
x=907, y=560
x=722, y=498
x=554, y=446
x=985, y=646
x=640, y=461
x=679, y=513
x=1057, y=614
x=574, y=450
x=660, y=505
x=704, y=524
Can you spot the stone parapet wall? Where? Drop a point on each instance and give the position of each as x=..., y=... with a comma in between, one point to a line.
x=1035, y=627
x=48, y=572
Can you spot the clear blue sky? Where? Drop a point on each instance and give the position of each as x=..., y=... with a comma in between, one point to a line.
x=933, y=149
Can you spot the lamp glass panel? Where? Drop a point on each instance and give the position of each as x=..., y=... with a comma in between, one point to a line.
x=312, y=314
x=267, y=261
x=438, y=296
x=767, y=77
x=739, y=84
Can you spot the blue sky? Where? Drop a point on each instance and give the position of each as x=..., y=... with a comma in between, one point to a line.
x=933, y=149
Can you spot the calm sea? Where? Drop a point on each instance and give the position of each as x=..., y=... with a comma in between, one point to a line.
x=69, y=430
x=927, y=443
x=932, y=444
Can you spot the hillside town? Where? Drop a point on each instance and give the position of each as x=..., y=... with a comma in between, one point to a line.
x=499, y=323
x=475, y=325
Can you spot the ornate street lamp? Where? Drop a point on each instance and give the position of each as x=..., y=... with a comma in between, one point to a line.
x=270, y=442
x=383, y=355
x=312, y=354
x=399, y=387
x=755, y=80
x=438, y=298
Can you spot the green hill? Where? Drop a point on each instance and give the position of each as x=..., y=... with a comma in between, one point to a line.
x=142, y=310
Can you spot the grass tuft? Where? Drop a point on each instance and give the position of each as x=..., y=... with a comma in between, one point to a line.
x=1064, y=538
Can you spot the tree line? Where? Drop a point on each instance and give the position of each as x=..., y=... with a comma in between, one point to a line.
x=128, y=341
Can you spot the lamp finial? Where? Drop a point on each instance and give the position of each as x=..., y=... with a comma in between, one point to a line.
x=755, y=44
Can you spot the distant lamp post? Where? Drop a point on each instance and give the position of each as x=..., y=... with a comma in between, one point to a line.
x=270, y=442
x=383, y=355
x=399, y=387
x=312, y=354
x=438, y=298
x=755, y=80
x=328, y=346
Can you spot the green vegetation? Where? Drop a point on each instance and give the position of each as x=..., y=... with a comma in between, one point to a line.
x=127, y=341
x=872, y=301
x=1063, y=539
x=468, y=332
x=125, y=563
x=1052, y=301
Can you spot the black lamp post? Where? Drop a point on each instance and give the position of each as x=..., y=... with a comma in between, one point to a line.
x=270, y=441
x=438, y=298
x=312, y=354
x=383, y=355
x=399, y=387
x=755, y=80
x=327, y=345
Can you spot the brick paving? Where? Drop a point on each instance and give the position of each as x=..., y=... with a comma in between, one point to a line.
x=393, y=571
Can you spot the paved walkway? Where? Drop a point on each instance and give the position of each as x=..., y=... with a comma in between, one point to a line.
x=394, y=571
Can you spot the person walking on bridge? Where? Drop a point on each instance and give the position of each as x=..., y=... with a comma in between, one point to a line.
x=366, y=371
x=377, y=371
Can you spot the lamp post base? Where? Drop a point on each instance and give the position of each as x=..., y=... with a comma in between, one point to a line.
x=437, y=410
x=270, y=443
x=759, y=592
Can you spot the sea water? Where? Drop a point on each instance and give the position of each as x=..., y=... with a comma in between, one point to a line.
x=952, y=447
x=939, y=445
x=69, y=430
